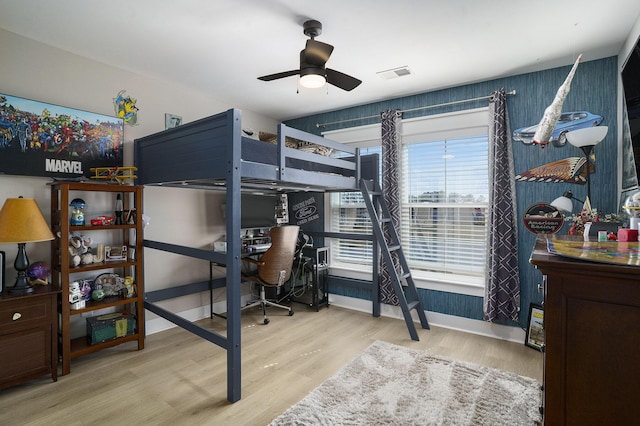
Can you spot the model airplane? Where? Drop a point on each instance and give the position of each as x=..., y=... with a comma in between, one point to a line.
x=114, y=174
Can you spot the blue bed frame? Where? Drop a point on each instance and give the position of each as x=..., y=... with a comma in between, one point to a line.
x=211, y=153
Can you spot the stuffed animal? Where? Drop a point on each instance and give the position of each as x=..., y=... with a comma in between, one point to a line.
x=80, y=250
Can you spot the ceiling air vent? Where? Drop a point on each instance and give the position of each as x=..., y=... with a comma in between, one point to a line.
x=394, y=73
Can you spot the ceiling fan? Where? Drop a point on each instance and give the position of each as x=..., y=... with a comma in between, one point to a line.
x=313, y=58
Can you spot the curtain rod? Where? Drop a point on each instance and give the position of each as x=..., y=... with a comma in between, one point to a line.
x=318, y=125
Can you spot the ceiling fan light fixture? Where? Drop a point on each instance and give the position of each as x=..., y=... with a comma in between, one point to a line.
x=312, y=78
x=313, y=72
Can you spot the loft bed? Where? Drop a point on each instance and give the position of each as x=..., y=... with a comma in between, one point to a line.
x=212, y=153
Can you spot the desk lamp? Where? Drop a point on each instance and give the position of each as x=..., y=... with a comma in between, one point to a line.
x=564, y=202
x=21, y=222
x=586, y=139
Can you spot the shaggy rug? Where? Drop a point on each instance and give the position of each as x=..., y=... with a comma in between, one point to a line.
x=393, y=385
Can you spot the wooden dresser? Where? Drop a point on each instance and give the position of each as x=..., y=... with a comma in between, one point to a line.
x=592, y=340
x=28, y=336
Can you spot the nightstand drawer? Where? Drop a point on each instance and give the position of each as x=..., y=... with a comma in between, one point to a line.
x=28, y=336
x=31, y=360
x=25, y=312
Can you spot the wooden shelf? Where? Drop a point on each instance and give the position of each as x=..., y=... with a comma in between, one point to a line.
x=81, y=346
x=97, y=266
x=105, y=303
x=129, y=234
x=101, y=227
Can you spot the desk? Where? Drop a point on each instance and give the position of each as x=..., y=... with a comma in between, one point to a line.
x=212, y=264
x=591, y=353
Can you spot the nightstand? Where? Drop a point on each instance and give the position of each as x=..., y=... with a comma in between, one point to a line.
x=28, y=336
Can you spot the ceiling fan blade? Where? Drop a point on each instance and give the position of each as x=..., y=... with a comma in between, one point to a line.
x=317, y=53
x=341, y=80
x=276, y=76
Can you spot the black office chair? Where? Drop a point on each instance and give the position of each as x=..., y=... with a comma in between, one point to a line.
x=274, y=266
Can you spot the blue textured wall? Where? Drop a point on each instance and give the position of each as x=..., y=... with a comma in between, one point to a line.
x=594, y=88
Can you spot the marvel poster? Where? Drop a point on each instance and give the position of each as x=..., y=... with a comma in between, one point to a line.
x=41, y=139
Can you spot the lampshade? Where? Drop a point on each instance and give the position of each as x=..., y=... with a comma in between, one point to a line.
x=588, y=136
x=21, y=221
x=564, y=202
x=312, y=78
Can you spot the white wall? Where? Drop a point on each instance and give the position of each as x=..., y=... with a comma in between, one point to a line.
x=629, y=44
x=35, y=71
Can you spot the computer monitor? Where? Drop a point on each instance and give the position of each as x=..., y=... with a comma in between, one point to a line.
x=258, y=211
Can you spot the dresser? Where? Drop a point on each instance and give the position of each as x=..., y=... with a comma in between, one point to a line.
x=592, y=340
x=28, y=336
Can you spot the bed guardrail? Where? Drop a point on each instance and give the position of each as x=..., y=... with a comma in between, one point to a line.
x=349, y=166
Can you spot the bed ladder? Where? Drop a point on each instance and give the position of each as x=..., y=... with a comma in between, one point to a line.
x=407, y=294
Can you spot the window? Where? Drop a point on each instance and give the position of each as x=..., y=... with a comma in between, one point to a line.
x=444, y=200
x=444, y=192
x=350, y=215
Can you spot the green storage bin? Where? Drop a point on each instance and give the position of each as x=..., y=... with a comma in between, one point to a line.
x=102, y=328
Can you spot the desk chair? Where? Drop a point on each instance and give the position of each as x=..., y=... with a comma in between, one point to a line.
x=274, y=266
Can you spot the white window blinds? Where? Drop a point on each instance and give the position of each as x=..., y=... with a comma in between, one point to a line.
x=444, y=192
x=444, y=187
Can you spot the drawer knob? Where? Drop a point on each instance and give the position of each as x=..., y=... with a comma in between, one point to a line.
x=17, y=316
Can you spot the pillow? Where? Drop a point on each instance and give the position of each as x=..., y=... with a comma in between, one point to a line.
x=296, y=144
x=273, y=139
x=314, y=148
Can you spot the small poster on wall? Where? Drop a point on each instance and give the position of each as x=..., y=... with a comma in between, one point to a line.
x=306, y=211
x=41, y=139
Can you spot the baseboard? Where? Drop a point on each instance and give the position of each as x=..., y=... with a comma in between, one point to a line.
x=483, y=328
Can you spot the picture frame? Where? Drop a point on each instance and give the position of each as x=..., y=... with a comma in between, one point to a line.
x=44, y=139
x=171, y=121
x=1, y=271
x=535, y=327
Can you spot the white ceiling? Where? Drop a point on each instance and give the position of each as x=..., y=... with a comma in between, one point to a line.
x=220, y=47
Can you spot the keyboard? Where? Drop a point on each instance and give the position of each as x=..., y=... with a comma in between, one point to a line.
x=259, y=247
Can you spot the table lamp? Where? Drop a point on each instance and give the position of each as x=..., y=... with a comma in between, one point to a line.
x=21, y=222
x=564, y=202
x=586, y=139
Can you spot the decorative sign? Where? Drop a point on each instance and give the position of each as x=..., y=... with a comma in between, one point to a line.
x=543, y=218
x=306, y=211
x=41, y=139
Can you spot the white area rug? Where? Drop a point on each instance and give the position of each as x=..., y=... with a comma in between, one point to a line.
x=393, y=385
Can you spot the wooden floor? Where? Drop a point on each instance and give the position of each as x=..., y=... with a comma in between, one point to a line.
x=180, y=379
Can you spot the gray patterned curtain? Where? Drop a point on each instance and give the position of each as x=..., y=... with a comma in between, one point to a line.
x=502, y=286
x=390, y=120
